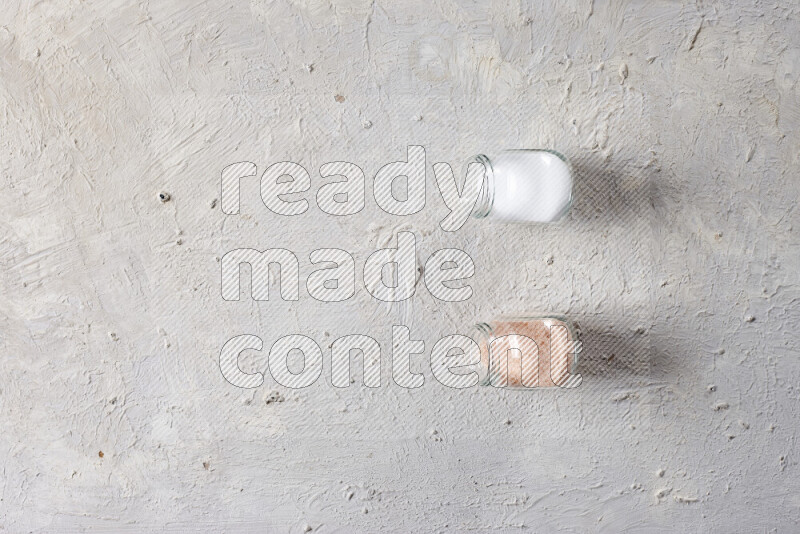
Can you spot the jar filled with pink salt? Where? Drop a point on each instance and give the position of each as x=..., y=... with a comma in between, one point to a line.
x=536, y=351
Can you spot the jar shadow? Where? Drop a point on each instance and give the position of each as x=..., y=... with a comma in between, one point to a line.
x=617, y=355
x=609, y=191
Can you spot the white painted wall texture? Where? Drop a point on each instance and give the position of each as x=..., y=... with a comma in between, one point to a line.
x=680, y=259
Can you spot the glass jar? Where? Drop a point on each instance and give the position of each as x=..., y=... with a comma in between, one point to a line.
x=525, y=186
x=535, y=351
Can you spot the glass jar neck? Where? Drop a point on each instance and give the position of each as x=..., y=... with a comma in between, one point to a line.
x=483, y=206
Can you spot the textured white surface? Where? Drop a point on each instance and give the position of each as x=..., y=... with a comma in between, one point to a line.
x=680, y=259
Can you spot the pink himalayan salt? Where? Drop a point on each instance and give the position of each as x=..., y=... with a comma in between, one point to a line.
x=527, y=366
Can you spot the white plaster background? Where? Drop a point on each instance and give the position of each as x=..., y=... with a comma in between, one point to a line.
x=683, y=120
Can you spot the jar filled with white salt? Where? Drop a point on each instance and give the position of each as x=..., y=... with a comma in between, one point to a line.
x=524, y=186
x=532, y=351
